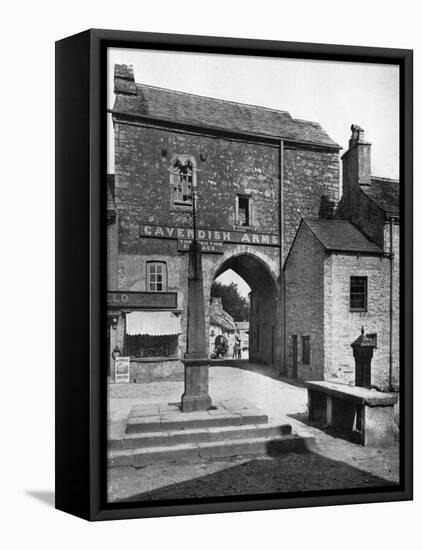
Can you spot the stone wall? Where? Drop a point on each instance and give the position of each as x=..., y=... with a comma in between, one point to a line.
x=143, y=159
x=311, y=187
x=152, y=371
x=305, y=304
x=356, y=207
x=343, y=326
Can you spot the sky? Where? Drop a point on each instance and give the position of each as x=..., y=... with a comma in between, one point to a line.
x=334, y=94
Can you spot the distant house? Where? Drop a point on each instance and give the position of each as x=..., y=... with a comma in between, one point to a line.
x=243, y=328
x=221, y=323
x=342, y=274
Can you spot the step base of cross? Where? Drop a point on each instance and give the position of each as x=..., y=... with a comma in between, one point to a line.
x=191, y=403
x=161, y=432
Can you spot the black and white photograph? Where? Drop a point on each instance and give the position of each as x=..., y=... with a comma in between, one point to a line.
x=211, y=233
x=253, y=276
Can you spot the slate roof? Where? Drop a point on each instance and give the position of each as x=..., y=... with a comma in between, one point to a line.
x=385, y=193
x=341, y=236
x=219, y=320
x=211, y=113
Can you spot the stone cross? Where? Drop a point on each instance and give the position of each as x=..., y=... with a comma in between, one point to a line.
x=196, y=394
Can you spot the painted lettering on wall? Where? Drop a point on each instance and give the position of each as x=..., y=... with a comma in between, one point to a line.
x=207, y=247
x=211, y=235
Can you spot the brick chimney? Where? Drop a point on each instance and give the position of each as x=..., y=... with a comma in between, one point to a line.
x=356, y=162
x=125, y=80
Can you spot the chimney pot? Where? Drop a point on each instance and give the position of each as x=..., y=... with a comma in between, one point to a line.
x=356, y=160
x=125, y=80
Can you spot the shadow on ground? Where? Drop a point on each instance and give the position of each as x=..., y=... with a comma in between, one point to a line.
x=46, y=497
x=352, y=437
x=265, y=370
x=291, y=472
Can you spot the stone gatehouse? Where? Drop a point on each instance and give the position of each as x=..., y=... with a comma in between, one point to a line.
x=256, y=172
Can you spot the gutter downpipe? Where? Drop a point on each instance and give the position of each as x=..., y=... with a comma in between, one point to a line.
x=391, y=267
x=282, y=301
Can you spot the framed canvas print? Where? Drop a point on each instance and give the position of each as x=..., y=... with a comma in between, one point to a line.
x=234, y=274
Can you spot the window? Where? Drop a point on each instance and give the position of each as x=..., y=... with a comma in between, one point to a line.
x=243, y=210
x=358, y=294
x=182, y=180
x=156, y=276
x=306, y=350
x=150, y=346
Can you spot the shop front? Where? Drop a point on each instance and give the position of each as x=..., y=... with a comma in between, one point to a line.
x=145, y=327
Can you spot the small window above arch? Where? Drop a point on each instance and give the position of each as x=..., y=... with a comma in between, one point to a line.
x=182, y=180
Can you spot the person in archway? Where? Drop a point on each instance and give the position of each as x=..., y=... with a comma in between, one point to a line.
x=237, y=346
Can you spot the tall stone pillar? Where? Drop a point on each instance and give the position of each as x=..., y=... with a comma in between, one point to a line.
x=196, y=395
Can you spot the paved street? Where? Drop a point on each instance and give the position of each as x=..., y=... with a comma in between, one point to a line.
x=335, y=463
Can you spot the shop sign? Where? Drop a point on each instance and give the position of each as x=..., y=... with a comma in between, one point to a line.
x=213, y=235
x=116, y=298
x=122, y=370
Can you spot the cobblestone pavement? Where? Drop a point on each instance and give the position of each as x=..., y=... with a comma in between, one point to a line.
x=334, y=464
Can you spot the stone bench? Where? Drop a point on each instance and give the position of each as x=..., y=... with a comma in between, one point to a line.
x=344, y=408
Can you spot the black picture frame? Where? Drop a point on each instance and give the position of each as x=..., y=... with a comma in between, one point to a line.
x=80, y=271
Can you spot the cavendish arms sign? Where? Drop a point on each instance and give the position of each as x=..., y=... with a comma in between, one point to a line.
x=212, y=240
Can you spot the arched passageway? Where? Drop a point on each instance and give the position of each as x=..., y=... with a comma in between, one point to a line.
x=264, y=328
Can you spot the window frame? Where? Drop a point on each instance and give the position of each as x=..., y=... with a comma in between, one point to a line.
x=244, y=196
x=364, y=308
x=173, y=175
x=154, y=263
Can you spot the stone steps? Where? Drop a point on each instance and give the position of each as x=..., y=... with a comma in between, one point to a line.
x=199, y=435
x=268, y=446
x=159, y=432
x=173, y=421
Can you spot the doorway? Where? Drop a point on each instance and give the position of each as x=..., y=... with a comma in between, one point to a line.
x=294, y=356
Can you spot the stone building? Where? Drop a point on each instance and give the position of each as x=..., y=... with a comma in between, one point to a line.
x=342, y=274
x=257, y=172
x=243, y=328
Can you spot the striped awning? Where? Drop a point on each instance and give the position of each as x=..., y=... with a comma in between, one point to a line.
x=153, y=323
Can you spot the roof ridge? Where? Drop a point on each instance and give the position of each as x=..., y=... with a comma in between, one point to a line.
x=350, y=223
x=325, y=220
x=304, y=220
x=305, y=121
x=224, y=100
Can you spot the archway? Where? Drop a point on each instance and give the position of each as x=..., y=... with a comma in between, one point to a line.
x=264, y=328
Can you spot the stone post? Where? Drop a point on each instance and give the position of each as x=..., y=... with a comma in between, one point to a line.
x=363, y=352
x=196, y=394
